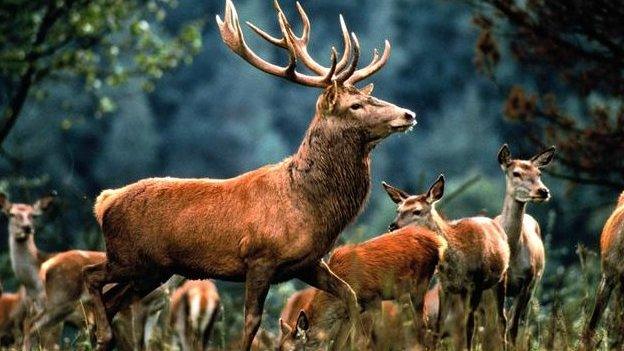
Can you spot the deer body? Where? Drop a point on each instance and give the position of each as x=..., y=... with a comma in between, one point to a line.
x=527, y=260
x=12, y=314
x=267, y=225
x=65, y=292
x=194, y=309
x=476, y=258
x=387, y=267
x=611, y=248
x=26, y=259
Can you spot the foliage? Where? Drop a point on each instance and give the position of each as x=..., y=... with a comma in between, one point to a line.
x=103, y=42
x=576, y=50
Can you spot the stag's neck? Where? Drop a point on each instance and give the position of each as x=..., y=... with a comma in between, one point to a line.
x=25, y=263
x=331, y=173
x=511, y=220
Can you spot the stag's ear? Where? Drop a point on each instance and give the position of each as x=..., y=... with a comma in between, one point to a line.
x=43, y=204
x=397, y=195
x=286, y=329
x=367, y=90
x=436, y=191
x=332, y=96
x=303, y=324
x=544, y=158
x=5, y=204
x=504, y=156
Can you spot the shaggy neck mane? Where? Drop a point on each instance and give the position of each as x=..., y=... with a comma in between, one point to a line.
x=331, y=173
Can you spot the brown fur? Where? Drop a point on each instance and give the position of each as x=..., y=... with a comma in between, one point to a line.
x=385, y=267
x=194, y=309
x=66, y=297
x=12, y=314
x=611, y=252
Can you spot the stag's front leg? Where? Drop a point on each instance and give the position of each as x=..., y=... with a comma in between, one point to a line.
x=257, y=285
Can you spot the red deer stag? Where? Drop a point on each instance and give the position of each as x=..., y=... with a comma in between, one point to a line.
x=526, y=265
x=611, y=248
x=391, y=266
x=194, y=309
x=294, y=210
x=476, y=259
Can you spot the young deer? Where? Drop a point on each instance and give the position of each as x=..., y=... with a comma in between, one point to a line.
x=476, y=259
x=611, y=248
x=66, y=297
x=388, y=267
x=26, y=258
x=526, y=265
x=311, y=316
x=194, y=310
x=294, y=210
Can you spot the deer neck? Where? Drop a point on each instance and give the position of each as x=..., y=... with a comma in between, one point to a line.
x=511, y=220
x=438, y=224
x=331, y=173
x=25, y=263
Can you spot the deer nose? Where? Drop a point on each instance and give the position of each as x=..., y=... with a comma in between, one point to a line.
x=393, y=226
x=543, y=192
x=409, y=115
x=27, y=229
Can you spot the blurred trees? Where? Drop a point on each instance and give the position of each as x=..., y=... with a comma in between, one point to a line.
x=575, y=49
x=103, y=42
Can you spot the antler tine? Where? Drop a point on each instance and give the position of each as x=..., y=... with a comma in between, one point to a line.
x=373, y=67
x=344, y=75
x=344, y=60
x=232, y=35
x=271, y=39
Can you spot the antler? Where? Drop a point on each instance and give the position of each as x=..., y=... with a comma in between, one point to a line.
x=343, y=71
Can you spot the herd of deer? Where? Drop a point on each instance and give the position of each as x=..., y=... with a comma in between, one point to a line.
x=277, y=223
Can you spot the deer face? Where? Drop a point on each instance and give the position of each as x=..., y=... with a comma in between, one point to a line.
x=523, y=177
x=349, y=107
x=296, y=338
x=22, y=217
x=414, y=209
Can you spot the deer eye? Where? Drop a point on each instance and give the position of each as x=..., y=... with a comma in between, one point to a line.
x=356, y=106
x=418, y=212
x=516, y=174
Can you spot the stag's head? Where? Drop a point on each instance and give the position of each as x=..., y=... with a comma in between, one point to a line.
x=414, y=209
x=22, y=217
x=523, y=177
x=342, y=104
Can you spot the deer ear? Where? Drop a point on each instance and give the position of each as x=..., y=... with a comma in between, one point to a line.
x=5, y=204
x=43, y=204
x=286, y=329
x=436, y=191
x=397, y=195
x=332, y=96
x=303, y=324
x=367, y=90
x=504, y=156
x=544, y=158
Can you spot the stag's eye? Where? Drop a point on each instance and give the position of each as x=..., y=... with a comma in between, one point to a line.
x=356, y=106
x=516, y=174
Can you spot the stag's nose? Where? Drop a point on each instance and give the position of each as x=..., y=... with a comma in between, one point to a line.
x=393, y=226
x=543, y=192
x=410, y=116
x=27, y=229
